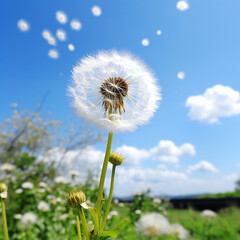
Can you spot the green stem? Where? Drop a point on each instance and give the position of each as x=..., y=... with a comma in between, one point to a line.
x=5, y=229
x=79, y=229
x=84, y=223
x=109, y=198
x=103, y=175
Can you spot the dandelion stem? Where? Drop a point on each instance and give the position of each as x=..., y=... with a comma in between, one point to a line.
x=5, y=229
x=84, y=223
x=79, y=229
x=109, y=198
x=103, y=175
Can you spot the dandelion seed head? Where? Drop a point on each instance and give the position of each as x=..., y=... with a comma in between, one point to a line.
x=181, y=75
x=76, y=24
x=43, y=206
x=52, y=41
x=61, y=17
x=53, y=53
x=61, y=35
x=96, y=11
x=145, y=42
x=7, y=167
x=23, y=25
x=114, y=90
x=28, y=218
x=27, y=185
x=179, y=231
x=71, y=47
x=159, y=32
x=182, y=5
x=46, y=34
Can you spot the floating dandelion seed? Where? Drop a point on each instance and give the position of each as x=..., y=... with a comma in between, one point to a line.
x=145, y=42
x=114, y=90
x=182, y=5
x=46, y=34
x=23, y=25
x=61, y=34
x=61, y=17
x=53, y=53
x=76, y=24
x=179, y=231
x=96, y=11
x=52, y=41
x=181, y=75
x=159, y=32
x=71, y=47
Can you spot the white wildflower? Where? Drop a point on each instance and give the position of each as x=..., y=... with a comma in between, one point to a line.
x=208, y=213
x=53, y=53
x=50, y=197
x=28, y=219
x=181, y=75
x=43, y=206
x=23, y=25
x=114, y=90
x=18, y=216
x=145, y=42
x=116, y=201
x=179, y=231
x=3, y=194
x=96, y=11
x=157, y=200
x=61, y=35
x=121, y=204
x=61, y=17
x=41, y=190
x=27, y=185
x=76, y=24
x=112, y=213
x=159, y=32
x=42, y=185
x=7, y=167
x=73, y=221
x=73, y=173
x=19, y=191
x=71, y=47
x=60, y=179
x=63, y=217
x=183, y=5
x=138, y=211
x=153, y=224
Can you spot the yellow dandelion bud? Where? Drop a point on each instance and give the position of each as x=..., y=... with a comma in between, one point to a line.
x=77, y=199
x=115, y=158
x=3, y=187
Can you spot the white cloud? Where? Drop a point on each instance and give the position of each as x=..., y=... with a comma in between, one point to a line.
x=202, y=166
x=167, y=151
x=132, y=155
x=232, y=177
x=216, y=102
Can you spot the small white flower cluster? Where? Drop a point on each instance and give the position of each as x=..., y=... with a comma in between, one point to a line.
x=27, y=185
x=7, y=167
x=208, y=213
x=112, y=214
x=60, y=180
x=27, y=219
x=43, y=206
x=155, y=224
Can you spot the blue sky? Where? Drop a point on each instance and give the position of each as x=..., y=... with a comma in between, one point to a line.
x=203, y=42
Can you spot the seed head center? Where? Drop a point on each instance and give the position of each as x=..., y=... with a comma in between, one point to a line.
x=113, y=90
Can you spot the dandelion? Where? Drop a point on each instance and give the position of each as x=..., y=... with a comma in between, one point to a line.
x=121, y=204
x=18, y=216
x=7, y=167
x=53, y=53
x=63, y=217
x=181, y=75
x=19, y=191
x=71, y=47
x=111, y=214
x=183, y=5
x=52, y=41
x=61, y=180
x=76, y=24
x=208, y=213
x=28, y=218
x=138, y=211
x=73, y=173
x=157, y=200
x=179, y=231
x=159, y=32
x=114, y=90
x=27, y=185
x=153, y=224
x=96, y=11
x=46, y=34
x=61, y=17
x=42, y=185
x=61, y=35
x=145, y=42
x=23, y=25
x=3, y=190
x=43, y=206
x=116, y=201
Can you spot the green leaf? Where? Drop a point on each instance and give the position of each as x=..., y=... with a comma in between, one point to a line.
x=108, y=234
x=95, y=220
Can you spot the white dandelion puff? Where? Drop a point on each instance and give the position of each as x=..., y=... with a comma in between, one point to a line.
x=159, y=32
x=208, y=213
x=28, y=218
x=7, y=167
x=27, y=185
x=60, y=179
x=23, y=25
x=179, y=231
x=46, y=34
x=71, y=47
x=181, y=75
x=96, y=11
x=114, y=90
x=61, y=17
x=19, y=191
x=61, y=35
x=76, y=24
x=52, y=41
x=53, y=53
x=145, y=42
x=43, y=206
x=183, y=5
x=153, y=224
x=18, y=216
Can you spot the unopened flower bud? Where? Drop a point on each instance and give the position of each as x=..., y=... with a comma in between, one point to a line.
x=115, y=158
x=76, y=199
x=3, y=187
